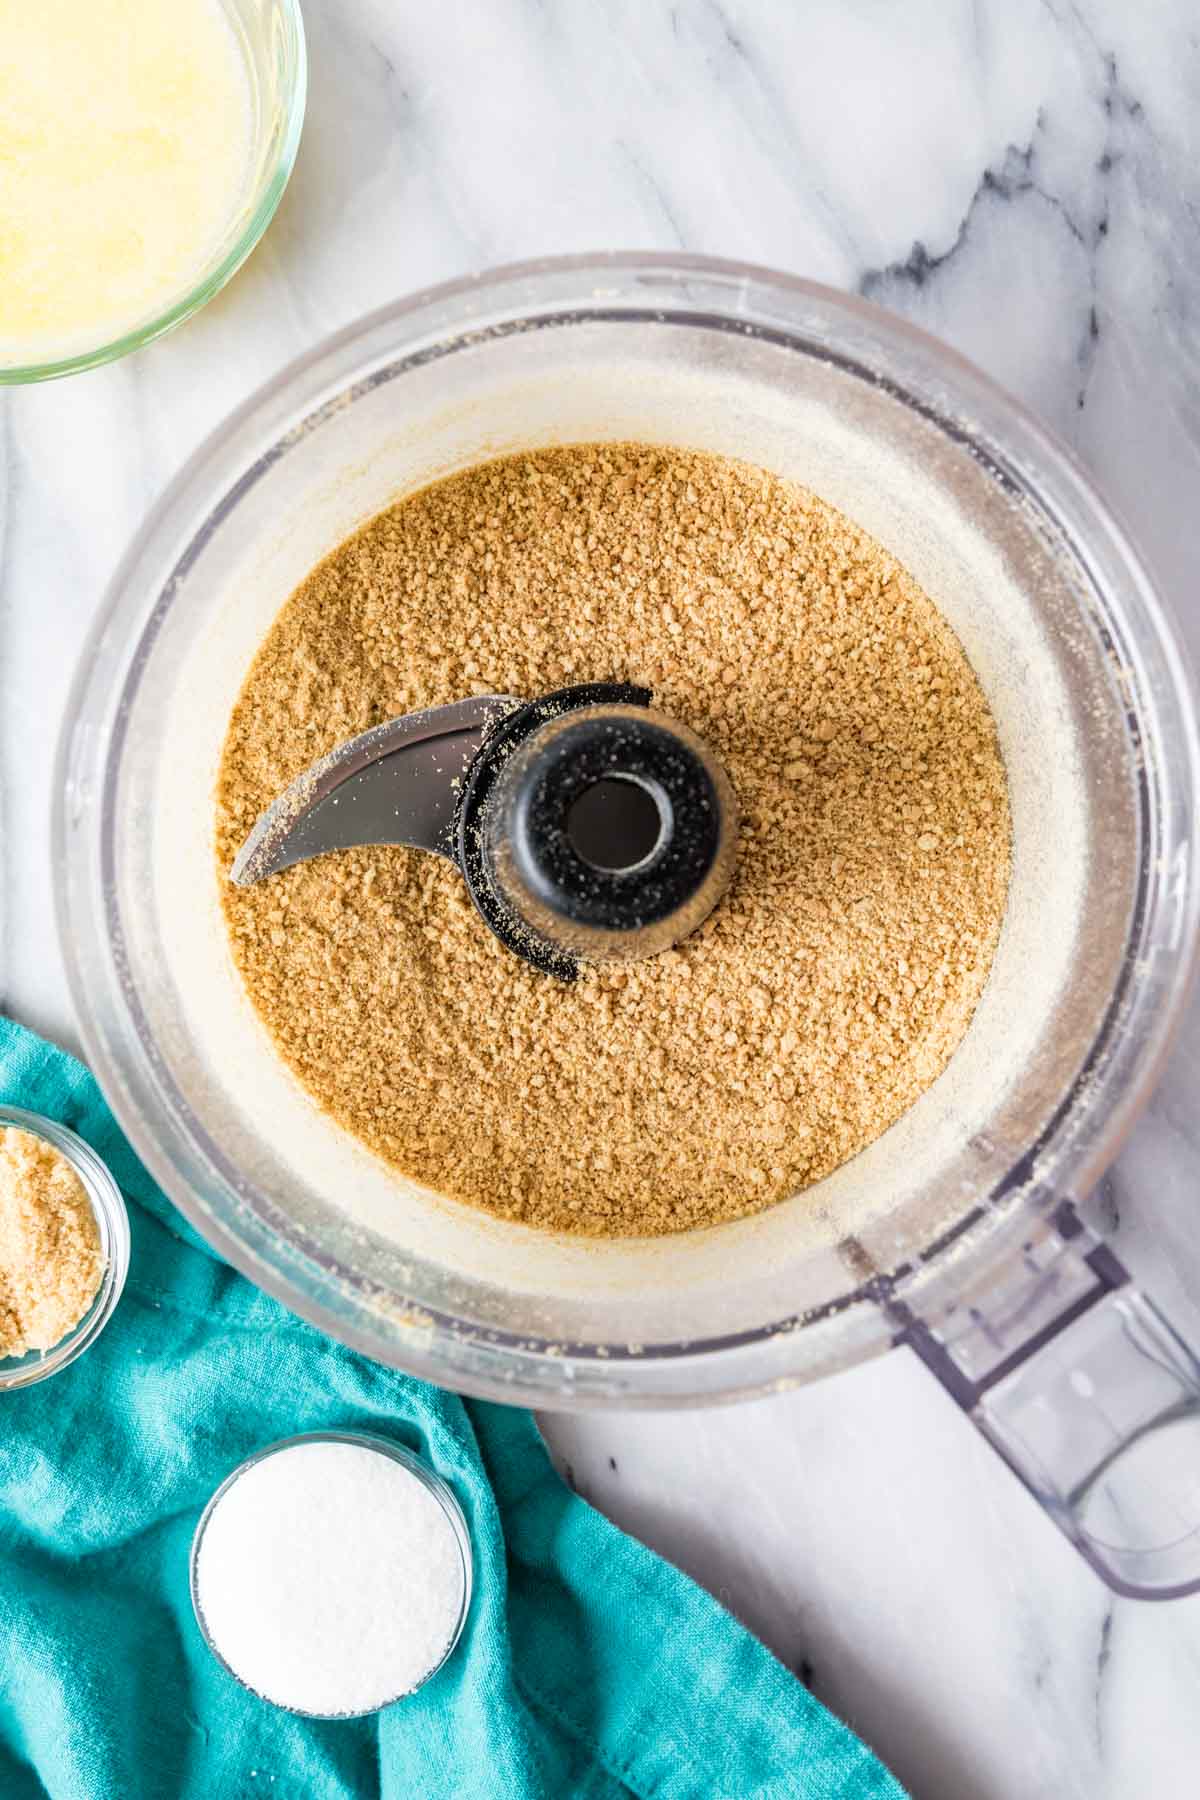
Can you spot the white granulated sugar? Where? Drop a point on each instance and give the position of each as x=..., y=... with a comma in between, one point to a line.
x=329, y=1578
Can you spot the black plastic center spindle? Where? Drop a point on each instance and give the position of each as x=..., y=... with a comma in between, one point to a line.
x=619, y=822
x=592, y=827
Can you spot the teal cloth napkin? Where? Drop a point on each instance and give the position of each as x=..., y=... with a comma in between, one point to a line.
x=589, y=1668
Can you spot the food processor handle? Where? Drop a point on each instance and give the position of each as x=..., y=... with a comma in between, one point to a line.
x=1091, y=1397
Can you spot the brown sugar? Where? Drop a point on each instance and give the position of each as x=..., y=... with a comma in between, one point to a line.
x=830, y=986
x=50, y=1256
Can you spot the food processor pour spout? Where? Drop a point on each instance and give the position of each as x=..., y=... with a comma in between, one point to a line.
x=587, y=826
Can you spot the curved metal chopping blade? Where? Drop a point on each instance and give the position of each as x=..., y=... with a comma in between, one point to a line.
x=393, y=784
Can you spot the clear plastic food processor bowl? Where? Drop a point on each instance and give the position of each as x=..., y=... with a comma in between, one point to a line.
x=956, y=1231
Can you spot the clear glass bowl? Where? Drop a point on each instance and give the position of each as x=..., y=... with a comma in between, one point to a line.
x=1063, y=625
x=442, y=1492
x=112, y=1222
x=271, y=36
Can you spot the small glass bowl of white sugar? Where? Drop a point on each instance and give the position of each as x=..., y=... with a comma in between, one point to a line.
x=331, y=1573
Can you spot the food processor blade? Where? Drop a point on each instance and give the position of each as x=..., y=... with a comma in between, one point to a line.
x=585, y=824
x=393, y=784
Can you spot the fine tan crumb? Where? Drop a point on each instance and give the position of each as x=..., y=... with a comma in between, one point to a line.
x=828, y=989
x=50, y=1257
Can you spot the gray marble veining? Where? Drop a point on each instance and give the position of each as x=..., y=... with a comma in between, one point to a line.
x=1021, y=177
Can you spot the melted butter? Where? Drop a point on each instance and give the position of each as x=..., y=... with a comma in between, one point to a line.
x=125, y=133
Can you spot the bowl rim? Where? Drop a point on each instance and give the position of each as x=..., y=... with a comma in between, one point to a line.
x=473, y=1359
x=112, y=1222
x=216, y=274
x=417, y=1466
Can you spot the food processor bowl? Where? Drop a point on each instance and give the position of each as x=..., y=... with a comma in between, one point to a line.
x=955, y=1231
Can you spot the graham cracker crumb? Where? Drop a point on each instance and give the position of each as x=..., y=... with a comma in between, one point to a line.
x=51, y=1262
x=830, y=986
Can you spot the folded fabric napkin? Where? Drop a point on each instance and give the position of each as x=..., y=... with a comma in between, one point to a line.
x=588, y=1667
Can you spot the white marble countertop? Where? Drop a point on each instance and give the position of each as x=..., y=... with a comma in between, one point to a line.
x=1022, y=177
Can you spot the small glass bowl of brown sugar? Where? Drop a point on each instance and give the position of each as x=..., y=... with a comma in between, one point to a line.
x=64, y=1246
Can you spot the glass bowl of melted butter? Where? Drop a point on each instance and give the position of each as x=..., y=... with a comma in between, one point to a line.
x=144, y=147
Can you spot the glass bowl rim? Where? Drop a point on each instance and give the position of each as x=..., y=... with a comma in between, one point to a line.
x=417, y=1466
x=112, y=1220
x=215, y=276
